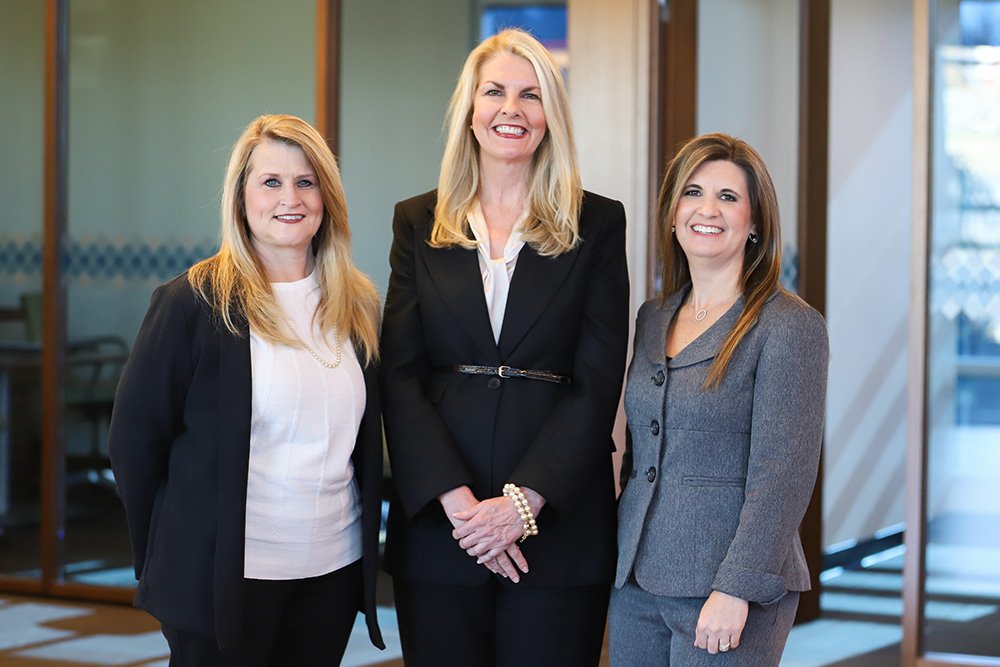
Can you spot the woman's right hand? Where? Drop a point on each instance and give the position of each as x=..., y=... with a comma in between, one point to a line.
x=460, y=499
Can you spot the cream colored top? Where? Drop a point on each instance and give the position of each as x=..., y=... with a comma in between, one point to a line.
x=303, y=507
x=497, y=273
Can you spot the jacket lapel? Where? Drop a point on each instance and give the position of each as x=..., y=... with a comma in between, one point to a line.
x=701, y=348
x=654, y=335
x=707, y=344
x=455, y=272
x=534, y=284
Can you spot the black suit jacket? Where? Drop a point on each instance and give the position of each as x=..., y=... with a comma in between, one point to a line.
x=180, y=449
x=566, y=314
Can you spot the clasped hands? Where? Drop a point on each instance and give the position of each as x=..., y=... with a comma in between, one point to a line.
x=488, y=530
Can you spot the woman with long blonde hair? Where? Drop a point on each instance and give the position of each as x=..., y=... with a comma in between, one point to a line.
x=246, y=438
x=504, y=339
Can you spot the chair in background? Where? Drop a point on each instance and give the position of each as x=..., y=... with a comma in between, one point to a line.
x=93, y=367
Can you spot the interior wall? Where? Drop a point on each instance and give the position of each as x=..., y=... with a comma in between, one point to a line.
x=868, y=266
x=748, y=57
x=610, y=42
x=609, y=88
x=401, y=61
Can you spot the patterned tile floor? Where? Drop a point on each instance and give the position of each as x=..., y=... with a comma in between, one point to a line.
x=860, y=627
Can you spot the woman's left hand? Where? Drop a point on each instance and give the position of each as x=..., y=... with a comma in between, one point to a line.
x=721, y=622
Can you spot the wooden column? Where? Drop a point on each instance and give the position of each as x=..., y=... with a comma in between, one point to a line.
x=814, y=129
x=328, y=71
x=916, y=402
x=677, y=102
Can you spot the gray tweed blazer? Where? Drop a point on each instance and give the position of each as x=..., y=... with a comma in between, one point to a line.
x=720, y=479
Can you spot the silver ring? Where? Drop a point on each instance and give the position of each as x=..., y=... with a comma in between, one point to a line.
x=723, y=647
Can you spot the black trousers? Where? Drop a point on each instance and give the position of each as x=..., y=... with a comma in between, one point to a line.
x=501, y=625
x=302, y=622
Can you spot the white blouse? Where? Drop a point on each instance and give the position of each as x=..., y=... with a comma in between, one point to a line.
x=497, y=273
x=303, y=509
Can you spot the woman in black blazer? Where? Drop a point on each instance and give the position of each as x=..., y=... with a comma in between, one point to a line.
x=504, y=341
x=246, y=439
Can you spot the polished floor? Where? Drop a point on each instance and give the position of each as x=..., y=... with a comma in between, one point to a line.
x=860, y=626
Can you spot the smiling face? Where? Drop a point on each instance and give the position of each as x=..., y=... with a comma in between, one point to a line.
x=283, y=201
x=713, y=217
x=508, y=119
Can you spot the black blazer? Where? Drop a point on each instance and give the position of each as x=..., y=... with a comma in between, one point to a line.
x=568, y=315
x=180, y=449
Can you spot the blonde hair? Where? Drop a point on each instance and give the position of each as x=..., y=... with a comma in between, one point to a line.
x=555, y=194
x=761, y=260
x=234, y=282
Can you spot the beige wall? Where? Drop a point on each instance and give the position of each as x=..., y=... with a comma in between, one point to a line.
x=748, y=56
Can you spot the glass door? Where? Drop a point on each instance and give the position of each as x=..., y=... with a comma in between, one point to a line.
x=22, y=105
x=156, y=95
x=159, y=92
x=959, y=574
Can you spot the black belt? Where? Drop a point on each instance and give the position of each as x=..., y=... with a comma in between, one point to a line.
x=508, y=372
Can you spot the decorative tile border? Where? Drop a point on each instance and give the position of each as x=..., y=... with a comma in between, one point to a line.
x=101, y=260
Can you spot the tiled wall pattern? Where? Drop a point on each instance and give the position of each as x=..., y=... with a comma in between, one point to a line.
x=103, y=261
x=97, y=260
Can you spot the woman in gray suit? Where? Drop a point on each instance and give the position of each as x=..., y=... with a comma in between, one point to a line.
x=725, y=401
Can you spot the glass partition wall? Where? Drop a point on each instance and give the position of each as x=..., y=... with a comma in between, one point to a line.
x=962, y=553
x=156, y=95
x=957, y=449
x=22, y=101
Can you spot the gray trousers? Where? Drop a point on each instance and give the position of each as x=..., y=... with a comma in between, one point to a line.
x=648, y=630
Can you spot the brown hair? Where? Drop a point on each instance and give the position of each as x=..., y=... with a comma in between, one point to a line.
x=761, y=260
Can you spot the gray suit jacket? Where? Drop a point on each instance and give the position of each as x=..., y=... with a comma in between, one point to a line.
x=720, y=479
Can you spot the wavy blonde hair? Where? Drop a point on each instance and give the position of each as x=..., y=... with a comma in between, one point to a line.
x=234, y=282
x=555, y=194
x=761, y=260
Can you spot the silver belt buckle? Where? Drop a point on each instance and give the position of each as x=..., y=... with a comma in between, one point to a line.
x=502, y=372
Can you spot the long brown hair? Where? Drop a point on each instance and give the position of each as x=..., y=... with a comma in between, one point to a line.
x=233, y=281
x=761, y=260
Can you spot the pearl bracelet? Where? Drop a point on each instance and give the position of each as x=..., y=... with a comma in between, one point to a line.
x=514, y=492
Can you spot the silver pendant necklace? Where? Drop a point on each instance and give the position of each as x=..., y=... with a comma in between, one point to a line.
x=699, y=315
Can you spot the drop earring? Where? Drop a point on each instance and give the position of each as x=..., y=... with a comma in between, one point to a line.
x=673, y=229
x=753, y=238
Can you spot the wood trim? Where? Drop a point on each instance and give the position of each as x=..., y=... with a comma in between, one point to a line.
x=328, y=44
x=92, y=593
x=676, y=103
x=916, y=402
x=949, y=660
x=20, y=586
x=814, y=130
x=53, y=293
x=67, y=591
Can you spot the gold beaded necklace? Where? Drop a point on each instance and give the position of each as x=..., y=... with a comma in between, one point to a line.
x=336, y=340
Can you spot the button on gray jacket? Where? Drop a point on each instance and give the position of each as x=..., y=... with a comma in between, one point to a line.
x=721, y=479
